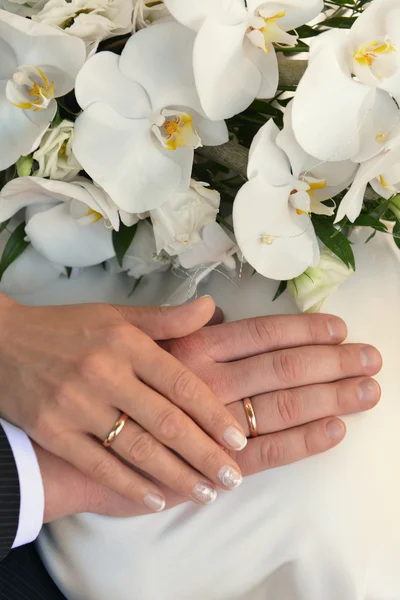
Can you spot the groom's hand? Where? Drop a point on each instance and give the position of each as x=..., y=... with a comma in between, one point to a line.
x=297, y=375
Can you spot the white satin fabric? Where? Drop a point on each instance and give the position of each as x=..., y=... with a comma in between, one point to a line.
x=327, y=528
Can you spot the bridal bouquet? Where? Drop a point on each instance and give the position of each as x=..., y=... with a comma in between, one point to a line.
x=196, y=135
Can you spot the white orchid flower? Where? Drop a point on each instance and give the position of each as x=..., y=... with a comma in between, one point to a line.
x=311, y=289
x=38, y=64
x=271, y=212
x=29, y=272
x=142, y=257
x=234, y=58
x=344, y=107
x=146, y=12
x=68, y=223
x=90, y=20
x=142, y=118
x=325, y=179
x=177, y=223
x=382, y=172
x=54, y=155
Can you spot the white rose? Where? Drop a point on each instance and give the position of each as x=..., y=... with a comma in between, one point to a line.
x=311, y=289
x=90, y=20
x=142, y=257
x=178, y=222
x=55, y=157
x=19, y=7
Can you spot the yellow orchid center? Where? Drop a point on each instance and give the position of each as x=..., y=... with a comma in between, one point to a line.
x=29, y=89
x=316, y=185
x=96, y=216
x=176, y=129
x=366, y=54
x=265, y=30
x=267, y=239
x=381, y=137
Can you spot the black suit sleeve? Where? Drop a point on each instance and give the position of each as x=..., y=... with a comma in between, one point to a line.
x=9, y=496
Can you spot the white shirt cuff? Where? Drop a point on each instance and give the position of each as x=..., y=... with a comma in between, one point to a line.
x=30, y=483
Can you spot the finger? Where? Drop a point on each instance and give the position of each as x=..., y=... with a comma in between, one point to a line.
x=283, y=409
x=165, y=374
x=217, y=318
x=174, y=429
x=141, y=449
x=168, y=322
x=297, y=367
x=104, y=468
x=278, y=449
x=233, y=341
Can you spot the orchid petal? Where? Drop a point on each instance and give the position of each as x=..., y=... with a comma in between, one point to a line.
x=274, y=239
x=193, y=13
x=56, y=235
x=267, y=159
x=297, y=13
x=213, y=247
x=101, y=80
x=328, y=77
x=110, y=147
x=267, y=64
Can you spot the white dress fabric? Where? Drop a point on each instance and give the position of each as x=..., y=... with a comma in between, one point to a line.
x=327, y=528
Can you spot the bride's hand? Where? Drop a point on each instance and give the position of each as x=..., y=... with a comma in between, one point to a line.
x=298, y=378
x=67, y=373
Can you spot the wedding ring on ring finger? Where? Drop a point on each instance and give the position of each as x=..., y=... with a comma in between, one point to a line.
x=251, y=417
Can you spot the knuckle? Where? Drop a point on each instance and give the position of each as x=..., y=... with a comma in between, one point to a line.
x=170, y=425
x=264, y=330
x=118, y=335
x=272, y=453
x=141, y=448
x=289, y=367
x=93, y=366
x=309, y=442
x=101, y=470
x=185, y=386
x=288, y=407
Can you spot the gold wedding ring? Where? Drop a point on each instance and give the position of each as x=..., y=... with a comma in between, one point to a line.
x=251, y=417
x=116, y=430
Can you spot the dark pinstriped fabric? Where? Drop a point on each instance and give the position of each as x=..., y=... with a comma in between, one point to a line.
x=9, y=496
x=23, y=577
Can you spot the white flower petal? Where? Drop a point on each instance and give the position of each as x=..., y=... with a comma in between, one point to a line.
x=267, y=64
x=214, y=247
x=126, y=160
x=101, y=80
x=227, y=80
x=159, y=58
x=193, y=13
x=267, y=159
x=212, y=133
x=328, y=77
x=274, y=239
x=62, y=240
x=297, y=13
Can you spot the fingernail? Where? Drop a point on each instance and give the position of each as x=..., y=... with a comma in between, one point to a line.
x=369, y=391
x=335, y=430
x=230, y=477
x=337, y=329
x=154, y=502
x=206, y=296
x=235, y=438
x=205, y=493
x=370, y=357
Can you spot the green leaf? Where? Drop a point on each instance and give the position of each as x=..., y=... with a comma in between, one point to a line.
x=68, y=271
x=4, y=225
x=339, y=22
x=305, y=31
x=13, y=249
x=334, y=240
x=122, y=239
x=370, y=221
x=370, y=237
x=7, y=175
x=396, y=234
x=281, y=289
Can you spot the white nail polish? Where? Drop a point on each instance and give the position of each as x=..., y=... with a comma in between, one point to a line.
x=154, y=502
x=205, y=493
x=230, y=477
x=235, y=438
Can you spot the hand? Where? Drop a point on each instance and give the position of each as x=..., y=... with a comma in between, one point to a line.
x=297, y=375
x=299, y=378
x=68, y=372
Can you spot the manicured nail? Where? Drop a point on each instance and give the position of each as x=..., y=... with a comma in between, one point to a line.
x=370, y=357
x=335, y=430
x=337, y=329
x=154, y=502
x=235, y=438
x=206, y=296
x=369, y=391
x=230, y=477
x=205, y=493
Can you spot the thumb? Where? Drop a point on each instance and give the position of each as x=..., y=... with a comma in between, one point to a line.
x=168, y=322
